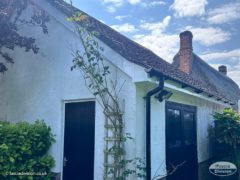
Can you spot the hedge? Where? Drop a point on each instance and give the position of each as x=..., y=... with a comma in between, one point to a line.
x=23, y=151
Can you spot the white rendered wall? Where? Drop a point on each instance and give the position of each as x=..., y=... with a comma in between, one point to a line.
x=158, y=150
x=37, y=86
x=158, y=160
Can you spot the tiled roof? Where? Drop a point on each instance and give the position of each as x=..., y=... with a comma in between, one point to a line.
x=138, y=54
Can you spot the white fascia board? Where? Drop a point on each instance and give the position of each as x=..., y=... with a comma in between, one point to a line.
x=176, y=88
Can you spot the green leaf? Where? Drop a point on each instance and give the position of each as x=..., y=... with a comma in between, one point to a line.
x=12, y=159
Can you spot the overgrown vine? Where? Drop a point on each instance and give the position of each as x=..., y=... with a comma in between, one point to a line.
x=99, y=80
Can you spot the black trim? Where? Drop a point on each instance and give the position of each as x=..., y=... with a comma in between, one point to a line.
x=198, y=91
x=170, y=104
x=184, y=86
x=153, y=72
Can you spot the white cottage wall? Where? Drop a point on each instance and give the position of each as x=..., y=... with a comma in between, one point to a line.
x=158, y=151
x=158, y=164
x=141, y=120
x=37, y=86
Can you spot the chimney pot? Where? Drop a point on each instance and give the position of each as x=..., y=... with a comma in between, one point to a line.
x=222, y=69
x=185, y=52
x=186, y=40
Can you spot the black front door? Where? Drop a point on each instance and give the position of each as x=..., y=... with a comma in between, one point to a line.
x=79, y=141
x=181, y=146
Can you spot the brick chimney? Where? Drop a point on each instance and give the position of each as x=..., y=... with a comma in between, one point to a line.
x=222, y=69
x=185, y=52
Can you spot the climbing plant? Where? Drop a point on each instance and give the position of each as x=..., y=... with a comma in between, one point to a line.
x=106, y=86
x=10, y=21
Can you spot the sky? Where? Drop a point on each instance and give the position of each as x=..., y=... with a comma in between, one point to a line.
x=156, y=24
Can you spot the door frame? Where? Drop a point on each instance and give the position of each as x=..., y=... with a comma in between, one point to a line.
x=63, y=103
x=184, y=107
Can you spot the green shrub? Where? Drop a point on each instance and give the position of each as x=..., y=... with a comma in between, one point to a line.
x=23, y=150
x=226, y=133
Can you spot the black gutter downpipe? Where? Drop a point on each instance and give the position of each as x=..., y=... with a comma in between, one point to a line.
x=148, y=125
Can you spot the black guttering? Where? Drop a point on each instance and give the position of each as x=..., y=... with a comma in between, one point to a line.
x=155, y=73
x=148, y=124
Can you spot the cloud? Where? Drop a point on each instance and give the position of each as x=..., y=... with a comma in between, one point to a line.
x=124, y=28
x=116, y=3
x=120, y=18
x=164, y=45
x=113, y=5
x=153, y=3
x=143, y=3
x=167, y=45
x=156, y=3
x=111, y=9
x=209, y=36
x=225, y=13
x=230, y=58
x=232, y=55
x=184, y=8
x=157, y=27
x=234, y=73
x=146, y=4
x=134, y=1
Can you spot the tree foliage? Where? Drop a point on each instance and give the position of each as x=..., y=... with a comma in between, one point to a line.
x=10, y=13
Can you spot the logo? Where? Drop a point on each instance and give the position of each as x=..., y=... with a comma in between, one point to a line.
x=223, y=168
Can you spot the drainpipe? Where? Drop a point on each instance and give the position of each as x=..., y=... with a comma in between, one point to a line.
x=148, y=125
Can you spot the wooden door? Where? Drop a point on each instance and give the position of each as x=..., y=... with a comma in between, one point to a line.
x=79, y=141
x=181, y=143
